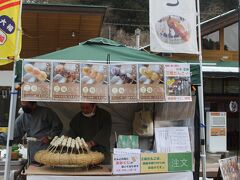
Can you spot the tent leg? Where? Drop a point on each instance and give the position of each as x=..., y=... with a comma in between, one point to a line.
x=202, y=132
x=11, y=120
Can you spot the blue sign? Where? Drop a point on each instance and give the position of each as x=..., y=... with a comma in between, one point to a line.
x=7, y=24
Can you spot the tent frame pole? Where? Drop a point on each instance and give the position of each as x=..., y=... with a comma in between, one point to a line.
x=13, y=103
x=201, y=101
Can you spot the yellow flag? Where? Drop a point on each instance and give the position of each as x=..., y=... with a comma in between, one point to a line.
x=10, y=29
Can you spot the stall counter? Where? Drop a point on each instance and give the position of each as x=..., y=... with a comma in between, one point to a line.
x=103, y=173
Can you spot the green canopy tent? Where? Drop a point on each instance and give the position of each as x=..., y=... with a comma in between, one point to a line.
x=101, y=49
x=105, y=50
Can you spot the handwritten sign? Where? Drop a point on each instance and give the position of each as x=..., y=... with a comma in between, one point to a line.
x=154, y=162
x=126, y=164
x=172, y=139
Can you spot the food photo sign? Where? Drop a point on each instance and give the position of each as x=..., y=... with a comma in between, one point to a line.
x=229, y=168
x=123, y=83
x=69, y=81
x=151, y=82
x=66, y=82
x=94, y=83
x=177, y=82
x=36, y=79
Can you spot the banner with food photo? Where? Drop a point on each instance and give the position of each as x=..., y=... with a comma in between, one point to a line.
x=177, y=82
x=173, y=26
x=151, y=82
x=123, y=83
x=66, y=82
x=94, y=83
x=36, y=78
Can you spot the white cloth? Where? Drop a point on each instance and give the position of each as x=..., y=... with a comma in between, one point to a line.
x=168, y=176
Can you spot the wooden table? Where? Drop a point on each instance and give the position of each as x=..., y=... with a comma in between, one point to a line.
x=63, y=171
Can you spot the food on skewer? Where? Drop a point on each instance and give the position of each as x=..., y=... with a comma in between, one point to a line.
x=85, y=145
x=79, y=142
x=42, y=76
x=178, y=28
x=36, y=72
x=69, y=142
x=66, y=151
x=28, y=68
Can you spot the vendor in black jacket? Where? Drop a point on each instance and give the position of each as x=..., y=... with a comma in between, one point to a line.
x=94, y=125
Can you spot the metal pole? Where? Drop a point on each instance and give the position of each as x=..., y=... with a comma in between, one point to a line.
x=109, y=32
x=201, y=101
x=137, y=33
x=238, y=151
x=10, y=126
x=13, y=103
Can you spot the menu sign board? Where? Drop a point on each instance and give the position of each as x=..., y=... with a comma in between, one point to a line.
x=177, y=82
x=151, y=82
x=172, y=139
x=123, y=83
x=154, y=162
x=178, y=162
x=229, y=168
x=94, y=83
x=66, y=82
x=36, y=80
x=126, y=164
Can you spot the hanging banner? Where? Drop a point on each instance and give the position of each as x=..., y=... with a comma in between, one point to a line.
x=94, y=83
x=151, y=82
x=9, y=26
x=36, y=80
x=173, y=26
x=177, y=82
x=123, y=83
x=66, y=82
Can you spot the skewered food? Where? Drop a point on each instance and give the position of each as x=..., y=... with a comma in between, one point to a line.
x=65, y=151
x=178, y=28
x=34, y=73
x=28, y=68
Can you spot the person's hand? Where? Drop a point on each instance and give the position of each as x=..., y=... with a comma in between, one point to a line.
x=45, y=140
x=91, y=144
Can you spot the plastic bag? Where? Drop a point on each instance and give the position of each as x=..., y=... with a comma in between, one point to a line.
x=143, y=123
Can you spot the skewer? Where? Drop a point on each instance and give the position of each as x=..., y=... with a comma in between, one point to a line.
x=57, y=143
x=69, y=141
x=77, y=146
x=64, y=142
x=52, y=142
x=85, y=145
x=80, y=144
x=73, y=145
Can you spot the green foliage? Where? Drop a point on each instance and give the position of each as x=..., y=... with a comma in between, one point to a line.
x=230, y=4
x=134, y=13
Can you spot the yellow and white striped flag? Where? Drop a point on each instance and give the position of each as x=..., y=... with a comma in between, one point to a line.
x=10, y=30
